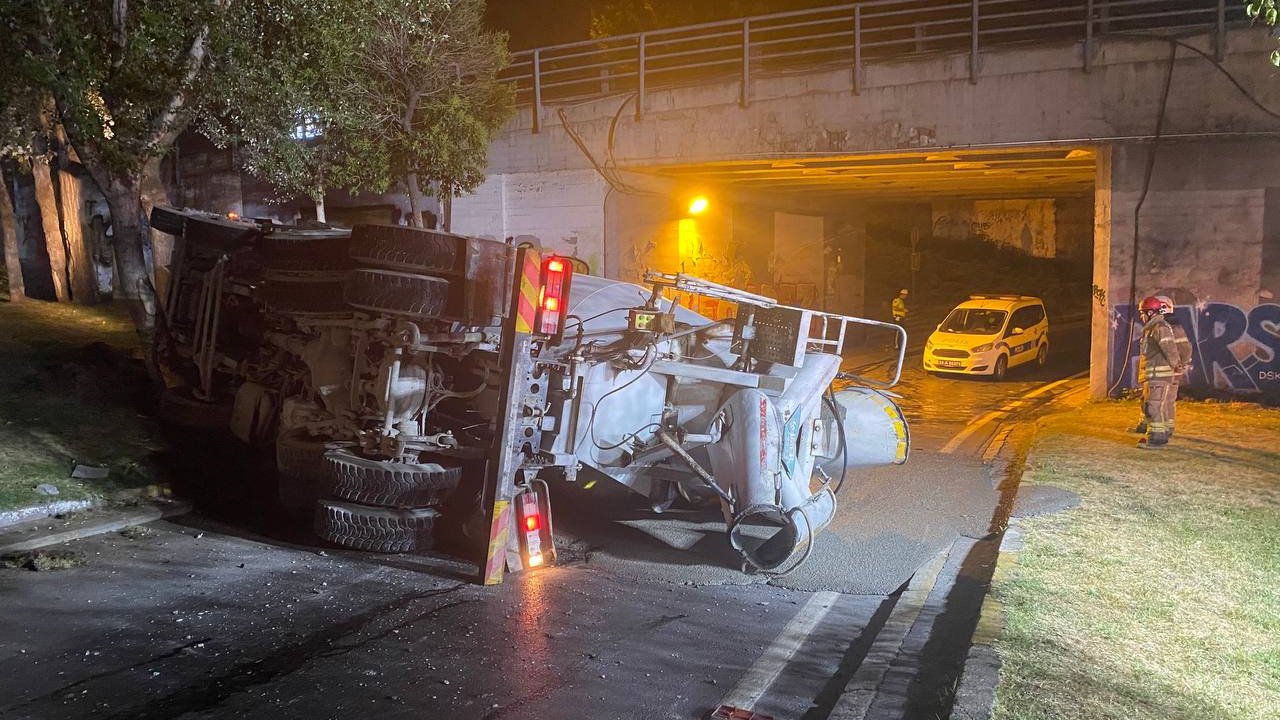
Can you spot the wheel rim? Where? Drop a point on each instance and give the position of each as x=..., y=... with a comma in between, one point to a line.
x=1042, y=357
x=1002, y=366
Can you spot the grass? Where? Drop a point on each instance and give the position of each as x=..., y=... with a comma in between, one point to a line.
x=1159, y=596
x=69, y=394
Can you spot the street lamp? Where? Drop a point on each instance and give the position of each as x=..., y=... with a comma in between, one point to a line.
x=698, y=205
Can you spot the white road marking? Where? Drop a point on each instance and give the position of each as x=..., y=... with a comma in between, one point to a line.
x=755, y=683
x=856, y=699
x=978, y=424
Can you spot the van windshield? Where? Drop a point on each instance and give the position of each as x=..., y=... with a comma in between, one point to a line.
x=974, y=321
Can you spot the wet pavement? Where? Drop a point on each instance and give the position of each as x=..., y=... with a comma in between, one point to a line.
x=647, y=616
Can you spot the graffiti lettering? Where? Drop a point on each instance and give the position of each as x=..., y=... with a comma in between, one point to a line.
x=1233, y=350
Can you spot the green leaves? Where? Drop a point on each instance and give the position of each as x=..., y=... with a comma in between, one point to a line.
x=395, y=86
x=398, y=86
x=1266, y=11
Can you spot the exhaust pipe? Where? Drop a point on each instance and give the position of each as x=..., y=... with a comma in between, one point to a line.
x=764, y=463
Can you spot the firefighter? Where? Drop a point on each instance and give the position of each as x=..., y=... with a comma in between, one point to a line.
x=898, y=308
x=1182, y=363
x=1159, y=357
x=1183, y=360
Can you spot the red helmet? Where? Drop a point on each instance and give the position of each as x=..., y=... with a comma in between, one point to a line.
x=1154, y=304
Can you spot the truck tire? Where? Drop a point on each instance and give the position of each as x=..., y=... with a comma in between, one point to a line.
x=399, y=248
x=307, y=250
x=303, y=472
x=180, y=407
x=302, y=296
x=388, y=484
x=397, y=293
x=375, y=529
x=167, y=220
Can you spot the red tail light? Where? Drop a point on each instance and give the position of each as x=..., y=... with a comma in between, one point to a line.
x=530, y=514
x=553, y=300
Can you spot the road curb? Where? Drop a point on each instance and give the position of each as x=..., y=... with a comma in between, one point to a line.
x=17, y=516
x=975, y=697
x=113, y=522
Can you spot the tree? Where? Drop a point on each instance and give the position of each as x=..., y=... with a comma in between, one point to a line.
x=9, y=230
x=125, y=79
x=405, y=93
x=425, y=78
x=1265, y=11
x=287, y=111
x=128, y=77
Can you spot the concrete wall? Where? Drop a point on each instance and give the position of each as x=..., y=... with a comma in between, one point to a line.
x=561, y=210
x=1209, y=237
x=1030, y=225
x=1026, y=225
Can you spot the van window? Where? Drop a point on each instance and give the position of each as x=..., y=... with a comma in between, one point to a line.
x=1027, y=317
x=974, y=321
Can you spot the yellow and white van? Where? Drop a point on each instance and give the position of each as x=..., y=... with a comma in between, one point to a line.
x=988, y=334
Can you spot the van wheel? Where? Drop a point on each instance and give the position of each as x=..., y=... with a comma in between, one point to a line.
x=1002, y=368
x=1042, y=356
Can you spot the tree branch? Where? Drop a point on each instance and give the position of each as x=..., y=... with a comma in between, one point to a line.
x=119, y=22
x=165, y=128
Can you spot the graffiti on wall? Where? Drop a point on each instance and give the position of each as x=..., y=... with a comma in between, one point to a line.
x=1235, y=350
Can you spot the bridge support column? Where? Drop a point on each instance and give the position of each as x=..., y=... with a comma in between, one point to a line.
x=1100, y=302
x=1209, y=238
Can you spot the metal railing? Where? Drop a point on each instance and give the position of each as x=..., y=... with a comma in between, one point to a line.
x=842, y=35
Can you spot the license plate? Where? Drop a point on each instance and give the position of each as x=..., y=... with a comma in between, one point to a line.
x=948, y=363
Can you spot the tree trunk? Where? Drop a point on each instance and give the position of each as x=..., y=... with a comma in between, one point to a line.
x=9, y=228
x=320, y=211
x=124, y=197
x=153, y=193
x=446, y=210
x=415, y=199
x=46, y=199
x=80, y=266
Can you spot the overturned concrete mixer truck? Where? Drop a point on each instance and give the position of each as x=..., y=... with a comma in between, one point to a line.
x=389, y=366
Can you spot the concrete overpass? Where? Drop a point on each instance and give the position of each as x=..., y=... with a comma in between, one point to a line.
x=602, y=158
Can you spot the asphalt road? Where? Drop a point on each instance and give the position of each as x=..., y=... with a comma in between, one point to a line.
x=645, y=617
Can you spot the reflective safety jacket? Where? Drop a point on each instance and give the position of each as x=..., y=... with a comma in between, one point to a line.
x=1158, y=350
x=899, y=308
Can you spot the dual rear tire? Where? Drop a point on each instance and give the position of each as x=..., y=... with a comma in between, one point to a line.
x=382, y=506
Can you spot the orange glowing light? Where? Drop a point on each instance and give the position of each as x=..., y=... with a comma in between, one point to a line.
x=551, y=304
x=531, y=523
x=555, y=265
x=699, y=205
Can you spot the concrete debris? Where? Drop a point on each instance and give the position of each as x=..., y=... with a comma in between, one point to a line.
x=47, y=489
x=90, y=472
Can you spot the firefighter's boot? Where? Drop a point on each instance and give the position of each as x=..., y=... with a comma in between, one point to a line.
x=1141, y=428
x=1154, y=441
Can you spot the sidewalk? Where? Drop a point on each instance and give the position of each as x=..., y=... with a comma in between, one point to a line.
x=1156, y=595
